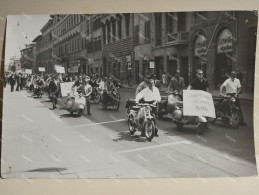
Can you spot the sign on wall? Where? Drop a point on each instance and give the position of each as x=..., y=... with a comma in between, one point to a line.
x=42, y=69
x=200, y=46
x=151, y=64
x=225, y=42
x=198, y=103
x=60, y=69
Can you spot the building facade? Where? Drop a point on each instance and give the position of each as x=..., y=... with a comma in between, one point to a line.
x=221, y=42
x=15, y=64
x=118, y=48
x=28, y=57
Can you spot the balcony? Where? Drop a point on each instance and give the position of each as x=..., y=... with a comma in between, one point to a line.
x=177, y=38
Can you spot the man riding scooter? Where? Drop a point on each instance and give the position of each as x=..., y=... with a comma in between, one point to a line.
x=233, y=88
x=149, y=95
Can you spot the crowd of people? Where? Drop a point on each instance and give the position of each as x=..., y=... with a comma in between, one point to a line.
x=149, y=89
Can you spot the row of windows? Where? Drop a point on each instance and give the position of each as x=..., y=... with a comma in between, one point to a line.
x=78, y=44
x=109, y=30
x=69, y=23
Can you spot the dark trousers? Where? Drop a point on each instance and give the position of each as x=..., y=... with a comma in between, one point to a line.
x=88, y=105
x=17, y=86
x=12, y=87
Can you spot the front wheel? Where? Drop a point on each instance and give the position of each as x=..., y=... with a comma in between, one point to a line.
x=131, y=125
x=234, y=119
x=149, y=128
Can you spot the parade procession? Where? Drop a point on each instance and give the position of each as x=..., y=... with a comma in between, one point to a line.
x=132, y=95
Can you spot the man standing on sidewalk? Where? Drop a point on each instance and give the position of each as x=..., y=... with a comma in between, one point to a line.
x=12, y=81
x=87, y=91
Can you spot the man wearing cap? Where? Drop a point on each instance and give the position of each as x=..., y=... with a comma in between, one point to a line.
x=143, y=84
x=176, y=83
x=233, y=88
x=86, y=90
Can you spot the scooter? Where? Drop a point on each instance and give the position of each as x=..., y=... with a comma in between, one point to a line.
x=141, y=119
x=200, y=122
x=227, y=111
x=112, y=99
x=75, y=103
x=167, y=104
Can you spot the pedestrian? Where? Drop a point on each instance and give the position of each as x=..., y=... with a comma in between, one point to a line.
x=18, y=81
x=54, y=86
x=12, y=81
x=87, y=91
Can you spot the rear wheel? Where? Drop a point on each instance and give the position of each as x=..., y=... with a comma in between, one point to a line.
x=149, y=128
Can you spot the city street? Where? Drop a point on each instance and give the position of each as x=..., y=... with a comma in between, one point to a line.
x=41, y=143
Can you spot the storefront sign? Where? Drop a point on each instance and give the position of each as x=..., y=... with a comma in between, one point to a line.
x=198, y=103
x=28, y=71
x=42, y=69
x=225, y=42
x=66, y=88
x=151, y=64
x=200, y=46
x=60, y=69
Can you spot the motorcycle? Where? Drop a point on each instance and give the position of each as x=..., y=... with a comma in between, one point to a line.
x=227, y=110
x=38, y=91
x=200, y=122
x=75, y=102
x=96, y=95
x=167, y=104
x=141, y=119
x=112, y=99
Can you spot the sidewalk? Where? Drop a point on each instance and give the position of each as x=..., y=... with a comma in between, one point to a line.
x=215, y=93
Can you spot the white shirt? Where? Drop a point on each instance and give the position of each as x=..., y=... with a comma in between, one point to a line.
x=231, y=86
x=149, y=95
x=102, y=85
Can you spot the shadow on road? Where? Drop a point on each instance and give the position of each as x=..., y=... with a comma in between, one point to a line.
x=126, y=136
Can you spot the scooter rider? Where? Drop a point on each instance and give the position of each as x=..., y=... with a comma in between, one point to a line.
x=177, y=83
x=142, y=85
x=199, y=83
x=150, y=94
x=233, y=88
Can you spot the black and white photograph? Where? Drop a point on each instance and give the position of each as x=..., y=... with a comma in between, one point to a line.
x=129, y=95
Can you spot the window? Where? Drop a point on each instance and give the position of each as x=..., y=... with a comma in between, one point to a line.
x=169, y=23
x=181, y=21
x=108, y=32
x=147, y=31
x=127, y=24
x=96, y=24
x=119, y=28
x=104, y=35
x=158, y=29
x=113, y=30
x=136, y=34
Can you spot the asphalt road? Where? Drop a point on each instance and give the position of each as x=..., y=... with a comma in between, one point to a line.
x=41, y=143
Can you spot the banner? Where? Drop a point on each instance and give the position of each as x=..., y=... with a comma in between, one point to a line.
x=60, y=69
x=151, y=64
x=28, y=71
x=225, y=42
x=66, y=88
x=42, y=69
x=198, y=103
